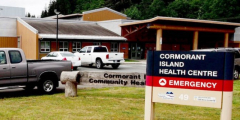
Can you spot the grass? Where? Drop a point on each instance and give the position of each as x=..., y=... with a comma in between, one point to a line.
x=130, y=60
x=103, y=103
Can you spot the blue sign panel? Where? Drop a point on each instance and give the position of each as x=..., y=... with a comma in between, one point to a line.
x=206, y=65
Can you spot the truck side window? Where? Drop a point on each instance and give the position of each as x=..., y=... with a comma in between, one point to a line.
x=15, y=56
x=89, y=49
x=83, y=50
x=3, y=57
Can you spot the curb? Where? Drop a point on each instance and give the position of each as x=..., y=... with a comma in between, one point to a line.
x=134, y=63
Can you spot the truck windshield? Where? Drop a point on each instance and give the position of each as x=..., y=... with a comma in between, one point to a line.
x=100, y=49
x=67, y=54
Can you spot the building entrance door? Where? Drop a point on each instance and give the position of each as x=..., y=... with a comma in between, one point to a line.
x=136, y=51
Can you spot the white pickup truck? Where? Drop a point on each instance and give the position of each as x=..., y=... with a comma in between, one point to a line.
x=100, y=56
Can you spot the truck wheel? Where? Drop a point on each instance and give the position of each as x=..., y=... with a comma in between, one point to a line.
x=115, y=66
x=236, y=74
x=99, y=64
x=47, y=86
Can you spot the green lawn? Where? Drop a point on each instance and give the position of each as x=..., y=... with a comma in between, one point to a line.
x=130, y=60
x=103, y=103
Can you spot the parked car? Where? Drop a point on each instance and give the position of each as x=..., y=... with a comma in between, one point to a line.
x=236, y=60
x=61, y=55
x=100, y=56
x=16, y=71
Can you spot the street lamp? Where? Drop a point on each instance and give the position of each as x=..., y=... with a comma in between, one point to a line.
x=57, y=13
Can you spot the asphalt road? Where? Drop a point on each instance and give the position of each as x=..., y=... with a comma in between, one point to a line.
x=126, y=67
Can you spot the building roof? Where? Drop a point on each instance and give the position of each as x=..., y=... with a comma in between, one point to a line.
x=67, y=16
x=69, y=29
x=84, y=37
x=160, y=18
x=105, y=8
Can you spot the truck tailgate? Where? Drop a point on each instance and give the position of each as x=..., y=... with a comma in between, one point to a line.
x=116, y=56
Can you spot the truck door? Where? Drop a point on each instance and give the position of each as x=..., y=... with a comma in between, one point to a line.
x=4, y=69
x=82, y=54
x=88, y=56
x=18, y=67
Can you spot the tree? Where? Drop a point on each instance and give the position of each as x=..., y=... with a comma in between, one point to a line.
x=157, y=8
x=28, y=15
x=147, y=9
x=66, y=6
x=119, y=5
x=44, y=14
x=84, y=5
x=133, y=12
x=178, y=8
x=222, y=10
x=52, y=6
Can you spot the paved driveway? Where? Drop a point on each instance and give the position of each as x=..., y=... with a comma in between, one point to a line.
x=126, y=67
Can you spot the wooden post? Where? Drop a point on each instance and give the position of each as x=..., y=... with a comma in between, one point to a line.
x=226, y=38
x=195, y=40
x=149, y=105
x=159, y=40
x=226, y=112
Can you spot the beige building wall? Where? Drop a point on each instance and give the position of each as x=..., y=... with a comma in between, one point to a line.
x=28, y=41
x=8, y=42
x=102, y=15
x=42, y=55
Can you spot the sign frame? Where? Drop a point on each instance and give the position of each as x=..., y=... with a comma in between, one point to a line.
x=221, y=75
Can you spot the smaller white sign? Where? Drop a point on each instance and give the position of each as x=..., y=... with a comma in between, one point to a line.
x=207, y=99
x=201, y=98
x=166, y=96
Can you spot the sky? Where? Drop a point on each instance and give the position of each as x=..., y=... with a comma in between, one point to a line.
x=34, y=7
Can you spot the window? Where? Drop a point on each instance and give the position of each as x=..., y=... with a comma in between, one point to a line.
x=89, y=49
x=15, y=56
x=63, y=46
x=83, y=50
x=114, y=47
x=55, y=54
x=49, y=54
x=100, y=49
x=3, y=58
x=52, y=54
x=76, y=46
x=96, y=43
x=45, y=46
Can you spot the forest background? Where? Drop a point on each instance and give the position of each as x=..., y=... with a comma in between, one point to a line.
x=218, y=10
